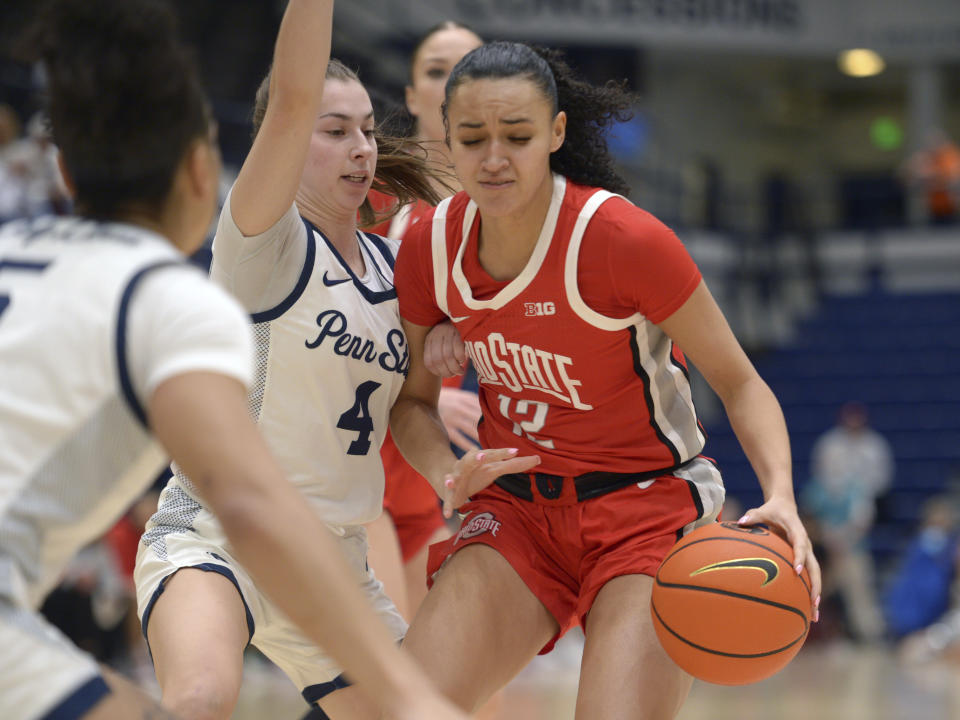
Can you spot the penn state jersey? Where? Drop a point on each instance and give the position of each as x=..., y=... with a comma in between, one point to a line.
x=330, y=359
x=586, y=391
x=93, y=316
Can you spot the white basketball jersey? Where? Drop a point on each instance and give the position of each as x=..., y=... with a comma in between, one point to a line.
x=331, y=356
x=77, y=299
x=330, y=361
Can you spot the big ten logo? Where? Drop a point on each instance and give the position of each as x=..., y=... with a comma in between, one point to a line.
x=538, y=309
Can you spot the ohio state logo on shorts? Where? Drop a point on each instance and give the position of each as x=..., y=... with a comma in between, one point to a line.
x=477, y=525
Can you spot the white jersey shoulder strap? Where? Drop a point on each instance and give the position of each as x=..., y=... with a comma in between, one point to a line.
x=574, y=298
x=438, y=240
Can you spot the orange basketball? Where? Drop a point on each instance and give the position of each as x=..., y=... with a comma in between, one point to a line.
x=728, y=606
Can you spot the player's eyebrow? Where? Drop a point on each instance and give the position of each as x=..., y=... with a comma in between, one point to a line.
x=504, y=121
x=344, y=116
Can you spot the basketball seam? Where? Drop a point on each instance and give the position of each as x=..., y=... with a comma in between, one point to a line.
x=731, y=593
x=744, y=656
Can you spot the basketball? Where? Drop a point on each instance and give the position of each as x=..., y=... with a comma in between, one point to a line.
x=728, y=606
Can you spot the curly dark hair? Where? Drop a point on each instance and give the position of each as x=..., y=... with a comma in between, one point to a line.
x=402, y=169
x=123, y=98
x=591, y=110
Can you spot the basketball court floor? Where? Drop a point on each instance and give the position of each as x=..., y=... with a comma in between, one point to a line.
x=829, y=680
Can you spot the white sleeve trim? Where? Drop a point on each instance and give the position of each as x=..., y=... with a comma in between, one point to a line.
x=586, y=313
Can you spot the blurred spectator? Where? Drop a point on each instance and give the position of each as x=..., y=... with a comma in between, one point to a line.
x=919, y=592
x=853, y=453
x=851, y=466
x=10, y=185
x=934, y=169
x=30, y=180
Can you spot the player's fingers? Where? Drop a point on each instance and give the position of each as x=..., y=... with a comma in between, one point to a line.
x=466, y=425
x=462, y=440
x=449, y=488
x=816, y=582
x=492, y=455
x=453, y=353
x=511, y=465
x=430, y=358
x=460, y=351
x=438, y=360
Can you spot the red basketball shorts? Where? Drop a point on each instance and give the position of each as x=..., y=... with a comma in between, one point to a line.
x=566, y=551
x=411, y=501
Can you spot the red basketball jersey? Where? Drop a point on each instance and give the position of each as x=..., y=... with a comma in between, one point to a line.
x=405, y=218
x=571, y=363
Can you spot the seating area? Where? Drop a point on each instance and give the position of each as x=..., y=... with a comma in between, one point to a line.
x=897, y=352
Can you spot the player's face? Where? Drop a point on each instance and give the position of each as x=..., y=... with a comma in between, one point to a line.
x=502, y=132
x=429, y=72
x=343, y=152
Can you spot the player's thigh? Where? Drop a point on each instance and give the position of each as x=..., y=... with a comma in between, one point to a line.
x=197, y=632
x=625, y=672
x=478, y=626
x=415, y=571
x=384, y=556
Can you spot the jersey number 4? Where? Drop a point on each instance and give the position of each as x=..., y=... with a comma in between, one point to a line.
x=529, y=416
x=18, y=265
x=358, y=419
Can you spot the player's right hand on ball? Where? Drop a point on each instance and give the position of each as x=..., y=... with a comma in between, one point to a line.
x=477, y=469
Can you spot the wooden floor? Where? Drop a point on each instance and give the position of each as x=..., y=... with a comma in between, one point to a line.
x=827, y=681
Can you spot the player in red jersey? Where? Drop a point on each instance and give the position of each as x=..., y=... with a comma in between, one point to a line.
x=573, y=304
x=412, y=520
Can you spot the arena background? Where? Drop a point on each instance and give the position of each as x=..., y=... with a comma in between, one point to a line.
x=796, y=188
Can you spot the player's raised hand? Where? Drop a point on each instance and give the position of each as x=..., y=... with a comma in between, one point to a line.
x=444, y=352
x=477, y=469
x=780, y=514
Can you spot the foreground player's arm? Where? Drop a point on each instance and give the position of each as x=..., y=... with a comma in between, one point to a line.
x=419, y=434
x=268, y=180
x=701, y=330
x=202, y=419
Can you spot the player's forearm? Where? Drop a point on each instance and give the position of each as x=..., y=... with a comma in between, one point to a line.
x=302, y=49
x=758, y=422
x=422, y=440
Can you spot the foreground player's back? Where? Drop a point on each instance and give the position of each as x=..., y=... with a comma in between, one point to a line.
x=81, y=340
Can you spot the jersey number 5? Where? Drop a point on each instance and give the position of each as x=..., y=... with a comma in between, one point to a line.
x=18, y=265
x=358, y=419
x=535, y=414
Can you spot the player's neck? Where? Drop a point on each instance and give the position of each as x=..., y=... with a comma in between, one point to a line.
x=171, y=232
x=507, y=242
x=338, y=227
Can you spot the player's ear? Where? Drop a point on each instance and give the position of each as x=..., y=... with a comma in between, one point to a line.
x=410, y=96
x=558, y=131
x=201, y=166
